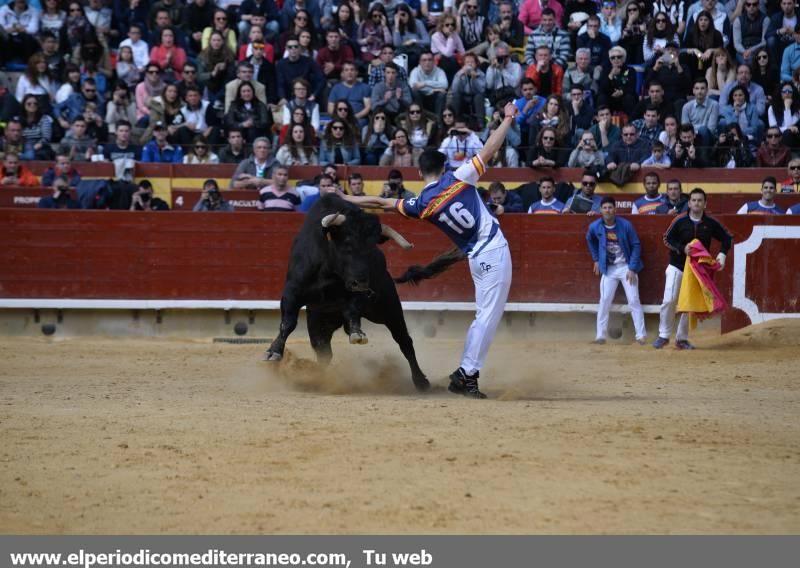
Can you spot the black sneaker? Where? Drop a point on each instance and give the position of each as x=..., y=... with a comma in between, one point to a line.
x=457, y=384
x=464, y=384
x=471, y=384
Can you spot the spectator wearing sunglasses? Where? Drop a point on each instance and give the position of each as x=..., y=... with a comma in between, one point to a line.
x=297, y=66
x=290, y=9
x=630, y=150
x=784, y=113
x=773, y=153
x=339, y=144
x=750, y=31
x=792, y=183
x=75, y=105
x=584, y=200
x=200, y=153
x=220, y=25
x=470, y=24
x=617, y=87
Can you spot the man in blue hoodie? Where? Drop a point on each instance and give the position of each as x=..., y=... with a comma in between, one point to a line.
x=617, y=255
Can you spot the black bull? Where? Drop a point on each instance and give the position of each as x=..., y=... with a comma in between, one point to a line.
x=338, y=272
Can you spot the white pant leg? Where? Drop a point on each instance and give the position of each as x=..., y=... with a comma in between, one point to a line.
x=672, y=287
x=683, y=328
x=491, y=273
x=637, y=313
x=608, y=287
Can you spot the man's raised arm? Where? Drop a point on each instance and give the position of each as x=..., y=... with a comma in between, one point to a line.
x=499, y=135
x=371, y=201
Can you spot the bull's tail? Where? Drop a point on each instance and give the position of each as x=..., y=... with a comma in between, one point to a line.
x=415, y=274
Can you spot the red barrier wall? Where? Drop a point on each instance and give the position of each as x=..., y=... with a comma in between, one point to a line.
x=244, y=200
x=122, y=255
x=719, y=203
x=699, y=176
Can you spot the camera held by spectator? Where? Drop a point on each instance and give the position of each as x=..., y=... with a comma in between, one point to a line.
x=143, y=199
x=391, y=190
x=393, y=187
x=211, y=199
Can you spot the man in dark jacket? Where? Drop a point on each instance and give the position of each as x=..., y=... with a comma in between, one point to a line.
x=297, y=66
x=630, y=150
x=503, y=201
x=686, y=154
x=694, y=224
x=61, y=198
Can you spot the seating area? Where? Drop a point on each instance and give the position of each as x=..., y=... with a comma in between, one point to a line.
x=600, y=84
x=180, y=186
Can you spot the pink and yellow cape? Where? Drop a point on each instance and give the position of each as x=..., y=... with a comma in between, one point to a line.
x=699, y=296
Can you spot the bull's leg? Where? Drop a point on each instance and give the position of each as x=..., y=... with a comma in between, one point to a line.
x=320, y=330
x=396, y=323
x=290, y=310
x=352, y=319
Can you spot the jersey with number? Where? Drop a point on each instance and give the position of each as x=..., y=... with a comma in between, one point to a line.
x=454, y=205
x=555, y=207
x=756, y=208
x=793, y=210
x=647, y=206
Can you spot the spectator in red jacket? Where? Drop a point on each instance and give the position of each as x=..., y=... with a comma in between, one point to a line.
x=335, y=53
x=773, y=153
x=169, y=56
x=547, y=75
x=14, y=173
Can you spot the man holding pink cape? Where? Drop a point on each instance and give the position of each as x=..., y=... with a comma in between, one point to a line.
x=685, y=228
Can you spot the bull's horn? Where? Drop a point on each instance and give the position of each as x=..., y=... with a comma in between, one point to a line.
x=333, y=219
x=387, y=231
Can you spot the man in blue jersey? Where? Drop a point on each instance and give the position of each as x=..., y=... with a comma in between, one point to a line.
x=649, y=202
x=766, y=205
x=547, y=205
x=451, y=201
x=793, y=210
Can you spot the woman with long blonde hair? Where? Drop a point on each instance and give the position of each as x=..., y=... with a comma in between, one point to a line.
x=722, y=71
x=447, y=45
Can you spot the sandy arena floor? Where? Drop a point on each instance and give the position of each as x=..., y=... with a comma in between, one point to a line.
x=142, y=436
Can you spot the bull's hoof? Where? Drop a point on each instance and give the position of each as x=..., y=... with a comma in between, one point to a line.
x=422, y=385
x=272, y=356
x=358, y=338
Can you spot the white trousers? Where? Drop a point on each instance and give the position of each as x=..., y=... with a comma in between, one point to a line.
x=608, y=287
x=672, y=288
x=491, y=273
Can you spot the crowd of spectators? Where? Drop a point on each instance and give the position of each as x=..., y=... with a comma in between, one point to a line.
x=600, y=85
x=350, y=82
